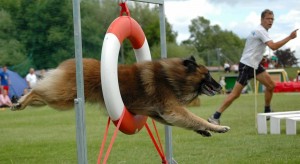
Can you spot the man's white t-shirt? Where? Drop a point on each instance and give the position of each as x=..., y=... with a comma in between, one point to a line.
x=32, y=79
x=255, y=47
x=226, y=65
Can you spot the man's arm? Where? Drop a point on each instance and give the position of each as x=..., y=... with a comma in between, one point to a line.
x=277, y=45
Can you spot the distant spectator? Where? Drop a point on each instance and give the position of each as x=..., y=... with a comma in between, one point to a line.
x=4, y=77
x=226, y=67
x=14, y=99
x=4, y=99
x=31, y=78
x=265, y=62
x=235, y=68
x=271, y=65
x=298, y=76
x=274, y=61
x=41, y=74
x=223, y=84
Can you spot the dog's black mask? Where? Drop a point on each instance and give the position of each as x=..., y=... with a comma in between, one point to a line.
x=209, y=86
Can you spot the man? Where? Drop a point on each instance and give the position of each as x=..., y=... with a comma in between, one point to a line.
x=274, y=61
x=252, y=55
x=226, y=67
x=4, y=77
x=265, y=62
x=31, y=78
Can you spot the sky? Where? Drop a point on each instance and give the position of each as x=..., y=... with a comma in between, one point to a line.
x=238, y=16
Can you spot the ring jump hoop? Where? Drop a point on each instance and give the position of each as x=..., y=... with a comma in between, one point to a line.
x=121, y=28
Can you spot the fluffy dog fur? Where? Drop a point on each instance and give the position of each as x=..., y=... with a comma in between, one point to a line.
x=158, y=89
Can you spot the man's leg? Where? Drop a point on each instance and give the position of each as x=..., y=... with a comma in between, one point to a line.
x=266, y=80
x=235, y=93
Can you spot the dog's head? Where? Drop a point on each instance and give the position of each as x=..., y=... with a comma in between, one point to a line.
x=206, y=84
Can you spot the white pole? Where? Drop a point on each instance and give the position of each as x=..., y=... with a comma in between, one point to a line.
x=79, y=101
x=255, y=98
x=168, y=129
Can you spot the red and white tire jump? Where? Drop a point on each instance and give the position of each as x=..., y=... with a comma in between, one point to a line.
x=121, y=28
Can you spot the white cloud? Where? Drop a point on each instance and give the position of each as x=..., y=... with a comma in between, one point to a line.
x=284, y=25
x=180, y=14
x=243, y=28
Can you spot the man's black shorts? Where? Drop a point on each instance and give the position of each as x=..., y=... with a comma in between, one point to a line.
x=246, y=73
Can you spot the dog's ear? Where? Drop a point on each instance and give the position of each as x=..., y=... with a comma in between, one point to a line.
x=192, y=58
x=190, y=63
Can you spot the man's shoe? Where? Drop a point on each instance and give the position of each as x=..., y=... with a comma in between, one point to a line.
x=212, y=120
x=268, y=117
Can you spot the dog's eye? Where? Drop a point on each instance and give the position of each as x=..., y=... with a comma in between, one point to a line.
x=207, y=76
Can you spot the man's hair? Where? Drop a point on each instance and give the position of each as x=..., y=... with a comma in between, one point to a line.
x=265, y=12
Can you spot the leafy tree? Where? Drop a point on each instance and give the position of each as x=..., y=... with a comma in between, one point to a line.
x=286, y=58
x=148, y=18
x=46, y=30
x=10, y=6
x=42, y=30
x=173, y=50
x=10, y=47
x=212, y=43
x=95, y=19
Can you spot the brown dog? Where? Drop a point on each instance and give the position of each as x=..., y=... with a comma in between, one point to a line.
x=159, y=89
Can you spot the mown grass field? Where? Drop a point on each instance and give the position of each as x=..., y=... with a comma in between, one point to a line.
x=44, y=135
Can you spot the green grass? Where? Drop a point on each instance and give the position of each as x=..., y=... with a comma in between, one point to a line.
x=44, y=135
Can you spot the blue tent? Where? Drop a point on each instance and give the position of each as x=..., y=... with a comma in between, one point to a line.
x=17, y=83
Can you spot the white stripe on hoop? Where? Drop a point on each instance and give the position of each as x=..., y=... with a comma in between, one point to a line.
x=109, y=76
x=143, y=53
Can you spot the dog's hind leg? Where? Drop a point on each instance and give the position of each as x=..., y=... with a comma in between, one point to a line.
x=29, y=99
x=181, y=117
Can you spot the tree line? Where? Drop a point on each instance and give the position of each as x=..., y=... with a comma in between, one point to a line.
x=39, y=34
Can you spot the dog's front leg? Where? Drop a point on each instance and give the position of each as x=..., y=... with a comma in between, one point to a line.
x=181, y=117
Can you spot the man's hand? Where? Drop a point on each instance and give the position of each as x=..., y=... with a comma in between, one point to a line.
x=293, y=34
x=277, y=45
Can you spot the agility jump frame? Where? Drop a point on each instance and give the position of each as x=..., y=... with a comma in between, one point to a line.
x=79, y=101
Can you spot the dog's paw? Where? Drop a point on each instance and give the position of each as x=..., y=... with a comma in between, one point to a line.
x=15, y=107
x=223, y=129
x=204, y=133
